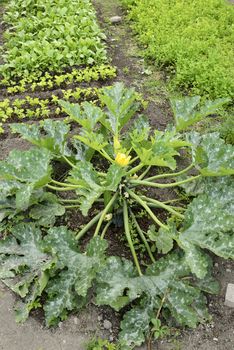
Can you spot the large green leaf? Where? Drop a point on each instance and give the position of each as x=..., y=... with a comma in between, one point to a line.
x=24, y=265
x=45, y=212
x=69, y=288
x=187, y=113
x=113, y=177
x=140, y=129
x=31, y=166
x=209, y=219
x=119, y=284
x=92, y=139
x=211, y=155
x=121, y=106
x=91, y=186
x=136, y=324
x=163, y=238
x=49, y=134
x=87, y=115
x=158, y=151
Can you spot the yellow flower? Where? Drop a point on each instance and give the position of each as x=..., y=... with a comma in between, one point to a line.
x=122, y=159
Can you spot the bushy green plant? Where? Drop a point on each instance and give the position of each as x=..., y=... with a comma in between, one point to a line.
x=108, y=179
x=49, y=35
x=192, y=39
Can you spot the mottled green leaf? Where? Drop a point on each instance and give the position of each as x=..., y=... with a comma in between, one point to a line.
x=45, y=213
x=140, y=129
x=136, y=324
x=211, y=155
x=23, y=196
x=113, y=177
x=31, y=166
x=196, y=259
x=119, y=284
x=87, y=115
x=161, y=149
x=121, y=106
x=163, y=238
x=187, y=113
x=50, y=134
x=69, y=288
x=92, y=139
x=24, y=265
x=209, y=220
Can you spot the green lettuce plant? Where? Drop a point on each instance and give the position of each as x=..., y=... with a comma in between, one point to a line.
x=118, y=171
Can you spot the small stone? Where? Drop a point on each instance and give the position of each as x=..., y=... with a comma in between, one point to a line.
x=107, y=324
x=115, y=19
x=228, y=270
x=229, y=297
x=111, y=338
x=100, y=318
x=76, y=321
x=215, y=339
x=64, y=341
x=60, y=325
x=216, y=265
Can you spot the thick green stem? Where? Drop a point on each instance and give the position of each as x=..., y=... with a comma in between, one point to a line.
x=163, y=206
x=70, y=163
x=141, y=234
x=61, y=189
x=105, y=229
x=129, y=238
x=69, y=200
x=144, y=173
x=158, y=185
x=145, y=206
x=104, y=212
x=64, y=184
x=106, y=155
x=162, y=176
x=71, y=206
x=88, y=226
x=133, y=160
x=135, y=169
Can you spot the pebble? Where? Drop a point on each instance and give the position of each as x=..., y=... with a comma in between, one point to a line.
x=115, y=19
x=111, y=338
x=229, y=297
x=228, y=270
x=100, y=318
x=76, y=321
x=216, y=265
x=215, y=339
x=107, y=324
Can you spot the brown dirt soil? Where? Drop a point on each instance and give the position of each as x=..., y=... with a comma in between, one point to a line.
x=73, y=333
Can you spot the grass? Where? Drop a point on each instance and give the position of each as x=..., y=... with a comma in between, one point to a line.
x=192, y=40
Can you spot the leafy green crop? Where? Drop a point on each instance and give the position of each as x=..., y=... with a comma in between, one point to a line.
x=192, y=39
x=113, y=164
x=49, y=35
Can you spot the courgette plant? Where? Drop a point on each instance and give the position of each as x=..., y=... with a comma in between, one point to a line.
x=111, y=169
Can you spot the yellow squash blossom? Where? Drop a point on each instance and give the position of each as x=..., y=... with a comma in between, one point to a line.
x=122, y=159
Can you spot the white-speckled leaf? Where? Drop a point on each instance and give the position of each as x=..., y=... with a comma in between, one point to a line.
x=209, y=220
x=119, y=285
x=31, y=166
x=211, y=155
x=69, y=288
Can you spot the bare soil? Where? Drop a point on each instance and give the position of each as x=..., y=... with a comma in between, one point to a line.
x=75, y=332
